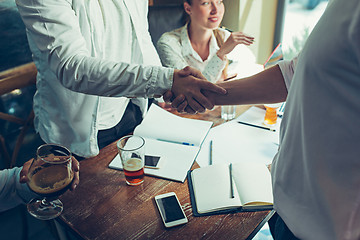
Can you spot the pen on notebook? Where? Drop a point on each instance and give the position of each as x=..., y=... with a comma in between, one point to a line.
x=261, y=127
x=210, y=158
x=280, y=111
x=183, y=143
x=231, y=182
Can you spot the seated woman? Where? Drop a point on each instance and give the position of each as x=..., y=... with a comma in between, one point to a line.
x=205, y=46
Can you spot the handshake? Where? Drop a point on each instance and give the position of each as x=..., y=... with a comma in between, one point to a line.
x=191, y=92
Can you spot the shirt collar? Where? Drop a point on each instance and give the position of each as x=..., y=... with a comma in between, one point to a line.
x=187, y=49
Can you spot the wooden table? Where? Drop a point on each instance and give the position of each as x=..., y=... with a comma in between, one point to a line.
x=104, y=207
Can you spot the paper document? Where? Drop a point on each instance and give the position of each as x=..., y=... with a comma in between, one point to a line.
x=174, y=139
x=234, y=142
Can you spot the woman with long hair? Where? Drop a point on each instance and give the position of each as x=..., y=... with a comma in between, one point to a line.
x=202, y=44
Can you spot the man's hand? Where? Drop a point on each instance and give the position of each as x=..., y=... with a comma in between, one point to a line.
x=188, y=84
x=74, y=164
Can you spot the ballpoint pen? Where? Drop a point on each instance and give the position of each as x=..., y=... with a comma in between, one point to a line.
x=227, y=29
x=261, y=127
x=183, y=143
x=210, y=158
x=231, y=182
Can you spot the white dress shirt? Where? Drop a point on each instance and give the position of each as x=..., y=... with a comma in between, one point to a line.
x=85, y=53
x=175, y=50
x=316, y=173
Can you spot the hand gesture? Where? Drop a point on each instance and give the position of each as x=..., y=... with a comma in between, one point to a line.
x=232, y=41
x=188, y=85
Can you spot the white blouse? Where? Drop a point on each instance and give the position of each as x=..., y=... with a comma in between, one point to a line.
x=175, y=50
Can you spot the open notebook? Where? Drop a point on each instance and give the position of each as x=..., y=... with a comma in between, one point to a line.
x=174, y=139
x=214, y=190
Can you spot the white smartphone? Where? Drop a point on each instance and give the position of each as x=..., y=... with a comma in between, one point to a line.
x=170, y=209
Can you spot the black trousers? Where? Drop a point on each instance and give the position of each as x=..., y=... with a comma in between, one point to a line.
x=131, y=118
x=279, y=230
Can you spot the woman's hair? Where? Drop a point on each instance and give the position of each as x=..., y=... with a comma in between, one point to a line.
x=219, y=36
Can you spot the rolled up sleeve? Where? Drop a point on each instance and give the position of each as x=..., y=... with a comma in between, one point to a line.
x=287, y=68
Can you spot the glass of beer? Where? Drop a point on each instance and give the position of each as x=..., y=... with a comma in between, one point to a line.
x=50, y=175
x=132, y=150
x=270, y=118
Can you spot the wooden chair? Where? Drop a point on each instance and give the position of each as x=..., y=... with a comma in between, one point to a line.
x=11, y=80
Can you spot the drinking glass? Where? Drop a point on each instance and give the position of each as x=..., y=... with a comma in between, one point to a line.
x=228, y=112
x=132, y=152
x=50, y=175
x=270, y=118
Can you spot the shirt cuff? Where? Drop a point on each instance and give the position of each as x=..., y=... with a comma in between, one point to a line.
x=160, y=81
x=214, y=68
x=23, y=190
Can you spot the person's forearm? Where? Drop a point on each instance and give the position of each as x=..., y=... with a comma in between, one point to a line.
x=265, y=87
x=12, y=192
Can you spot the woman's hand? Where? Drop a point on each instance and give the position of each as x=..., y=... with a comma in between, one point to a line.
x=234, y=39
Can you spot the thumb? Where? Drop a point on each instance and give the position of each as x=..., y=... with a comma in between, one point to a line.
x=213, y=88
x=196, y=73
x=186, y=71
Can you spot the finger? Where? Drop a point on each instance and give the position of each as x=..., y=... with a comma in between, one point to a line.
x=248, y=41
x=24, y=171
x=243, y=37
x=182, y=106
x=76, y=169
x=75, y=164
x=177, y=101
x=213, y=88
x=248, y=37
x=196, y=73
x=185, y=71
x=76, y=181
x=167, y=96
x=231, y=77
x=202, y=103
x=244, y=41
x=241, y=34
x=189, y=110
x=199, y=104
x=23, y=174
x=23, y=178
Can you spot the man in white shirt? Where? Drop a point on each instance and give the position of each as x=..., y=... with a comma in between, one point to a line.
x=315, y=174
x=95, y=62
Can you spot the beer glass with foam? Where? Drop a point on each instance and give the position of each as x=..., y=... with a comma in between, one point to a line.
x=50, y=175
x=132, y=154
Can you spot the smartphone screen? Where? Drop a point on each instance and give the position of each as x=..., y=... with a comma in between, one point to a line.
x=170, y=209
x=151, y=161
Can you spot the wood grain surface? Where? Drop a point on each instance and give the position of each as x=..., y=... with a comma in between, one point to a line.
x=104, y=207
